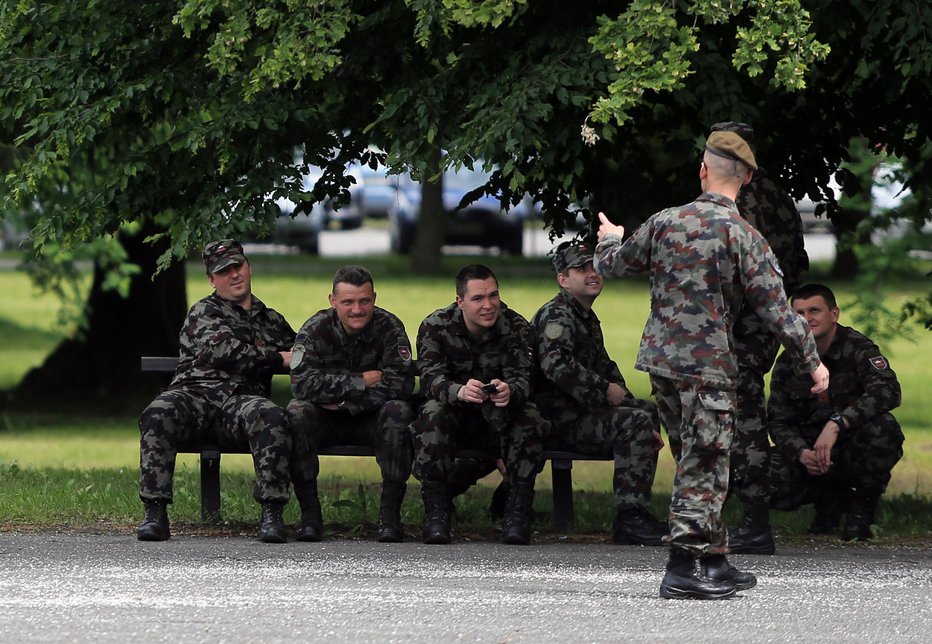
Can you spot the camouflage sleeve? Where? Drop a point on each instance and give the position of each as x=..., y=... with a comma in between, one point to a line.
x=395, y=364
x=617, y=258
x=516, y=369
x=320, y=373
x=763, y=288
x=209, y=337
x=783, y=421
x=283, y=331
x=435, y=372
x=556, y=357
x=881, y=387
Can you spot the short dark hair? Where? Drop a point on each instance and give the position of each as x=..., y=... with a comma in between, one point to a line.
x=806, y=291
x=472, y=272
x=354, y=275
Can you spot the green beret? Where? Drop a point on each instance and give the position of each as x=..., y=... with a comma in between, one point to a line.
x=731, y=146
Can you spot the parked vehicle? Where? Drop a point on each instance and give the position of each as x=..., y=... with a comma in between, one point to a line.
x=482, y=223
x=301, y=230
x=375, y=191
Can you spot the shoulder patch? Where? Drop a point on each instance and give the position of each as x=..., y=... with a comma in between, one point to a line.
x=879, y=363
x=404, y=352
x=297, y=355
x=553, y=330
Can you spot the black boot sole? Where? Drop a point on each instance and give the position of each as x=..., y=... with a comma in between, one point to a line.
x=688, y=593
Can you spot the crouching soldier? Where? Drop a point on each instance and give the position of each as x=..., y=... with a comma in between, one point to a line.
x=474, y=358
x=352, y=379
x=836, y=450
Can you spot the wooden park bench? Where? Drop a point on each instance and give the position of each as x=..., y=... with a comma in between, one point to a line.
x=561, y=463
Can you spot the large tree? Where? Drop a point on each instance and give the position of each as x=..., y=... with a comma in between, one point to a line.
x=183, y=117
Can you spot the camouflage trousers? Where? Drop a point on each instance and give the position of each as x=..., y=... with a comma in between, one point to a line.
x=750, y=453
x=625, y=431
x=862, y=461
x=516, y=435
x=704, y=422
x=385, y=430
x=182, y=416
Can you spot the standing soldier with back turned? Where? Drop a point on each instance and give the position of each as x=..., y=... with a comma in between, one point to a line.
x=704, y=262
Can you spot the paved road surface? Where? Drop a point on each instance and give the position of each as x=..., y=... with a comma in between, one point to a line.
x=112, y=588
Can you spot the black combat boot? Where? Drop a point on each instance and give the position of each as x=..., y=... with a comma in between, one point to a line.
x=390, y=530
x=154, y=526
x=637, y=527
x=271, y=525
x=499, y=501
x=682, y=582
x=830, y=504
x=753, y=536
x=519, y=510
x=436, y=527
x=311, y=527
x=860, y=516
x=717, y=568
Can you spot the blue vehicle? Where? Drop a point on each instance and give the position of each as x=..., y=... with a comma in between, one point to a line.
x=482, y=223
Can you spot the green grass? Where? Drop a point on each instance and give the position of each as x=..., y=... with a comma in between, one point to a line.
x=82, y=470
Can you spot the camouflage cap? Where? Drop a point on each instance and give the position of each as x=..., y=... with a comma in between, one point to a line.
x=219, y=254
x=731, y=146
x=572, y=255
x=743, y=130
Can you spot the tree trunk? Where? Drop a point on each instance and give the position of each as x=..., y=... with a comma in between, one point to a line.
x=432, y=224
x=102, y=365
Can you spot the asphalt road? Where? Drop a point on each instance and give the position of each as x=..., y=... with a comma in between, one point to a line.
x=112, y=588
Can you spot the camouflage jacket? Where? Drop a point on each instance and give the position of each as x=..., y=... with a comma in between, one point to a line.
x=704, y=261
x=571, y=360
x=230, y=350
x=327, y=363
x=862, y=386
x=771, y=211
x=448, y=355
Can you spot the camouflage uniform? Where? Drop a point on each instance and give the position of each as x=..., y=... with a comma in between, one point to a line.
x=863, y=389
x=768, y=208
x=449, y=356
x=574, y=372
x=704, y=262
x=326, y=367
x=220, y=395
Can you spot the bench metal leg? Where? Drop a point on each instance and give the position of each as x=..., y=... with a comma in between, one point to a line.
x=561, y=471
x=210, y=486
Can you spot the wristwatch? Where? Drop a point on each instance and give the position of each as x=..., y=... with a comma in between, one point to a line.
x=838, y=419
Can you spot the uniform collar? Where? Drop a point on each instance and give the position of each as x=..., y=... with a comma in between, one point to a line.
x=574, y=304
x=718, y=198
x=834, y=349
